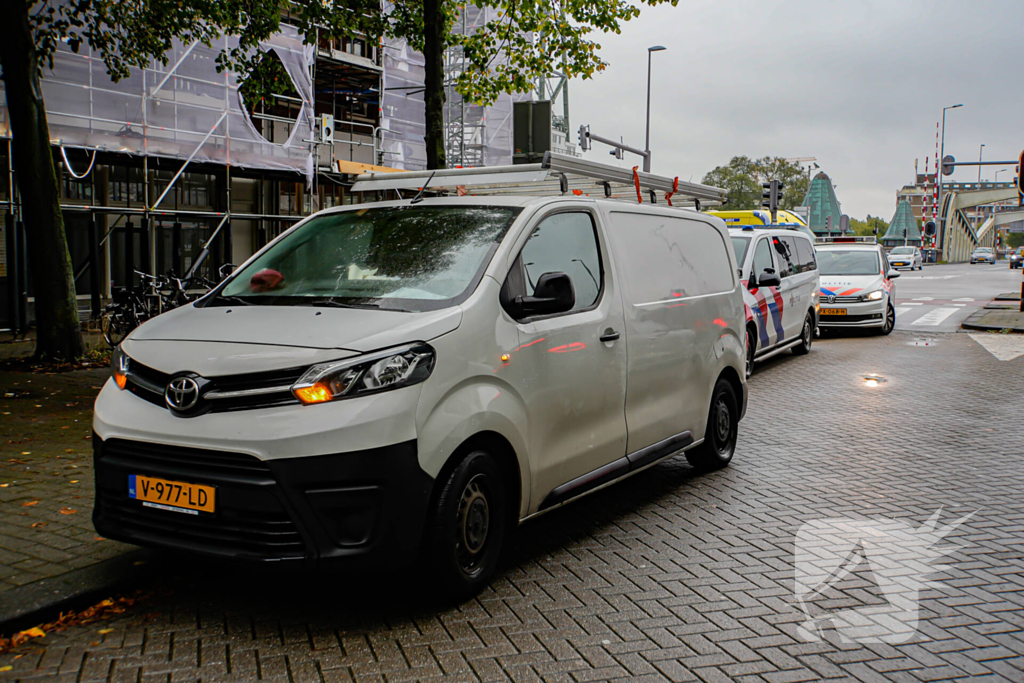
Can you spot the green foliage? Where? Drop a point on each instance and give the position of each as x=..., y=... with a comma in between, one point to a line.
x=742, y=178
x=866, y=227
x=739, y=179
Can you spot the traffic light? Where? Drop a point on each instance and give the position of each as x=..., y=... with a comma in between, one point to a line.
x=771, y=195
x=929, y=229
x=584, y=138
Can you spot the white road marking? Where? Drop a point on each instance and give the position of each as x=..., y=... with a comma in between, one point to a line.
x=900, y=310
x=924, y=298
x=1002, y=346
x=964, y=298
x=958, y=304
x=912, y=303
x=935, y=316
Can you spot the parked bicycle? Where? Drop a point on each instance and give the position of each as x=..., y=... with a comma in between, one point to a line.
x=132, y=306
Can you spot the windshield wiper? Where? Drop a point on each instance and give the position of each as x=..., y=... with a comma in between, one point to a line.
x=332, y=303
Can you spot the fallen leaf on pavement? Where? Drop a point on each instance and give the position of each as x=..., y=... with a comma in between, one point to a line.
x=68, y=511
x=74, y=481
x=30, y=503
x=6, y=668
x=3, y=486
x=105, y=631
x=39, y=524
x=35, y=632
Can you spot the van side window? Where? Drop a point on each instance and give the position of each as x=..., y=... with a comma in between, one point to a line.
x=806, y=253
x=566, y=243
x=666, y=258
x=762, y=258
x=785, y=247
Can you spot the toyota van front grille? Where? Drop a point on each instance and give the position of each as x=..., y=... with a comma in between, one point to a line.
x=219, y=394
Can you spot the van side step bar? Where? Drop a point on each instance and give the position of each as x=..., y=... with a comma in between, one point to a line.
x=779, y=349
x=616, y=469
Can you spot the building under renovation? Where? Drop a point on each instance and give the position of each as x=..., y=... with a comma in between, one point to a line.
x=154, y=166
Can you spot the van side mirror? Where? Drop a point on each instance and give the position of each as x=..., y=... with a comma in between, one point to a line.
x=226, y=270
x=893, y=274
x=554, y=293
x=768, y=278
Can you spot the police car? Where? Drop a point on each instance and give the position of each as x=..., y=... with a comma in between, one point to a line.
x=857, y=288
x=780, y=290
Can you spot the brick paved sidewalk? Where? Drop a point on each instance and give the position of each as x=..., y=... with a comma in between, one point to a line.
x=46, y=480
x=671, y=575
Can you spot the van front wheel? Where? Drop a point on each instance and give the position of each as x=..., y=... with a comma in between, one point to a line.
x=723, y=427
x=468, y=526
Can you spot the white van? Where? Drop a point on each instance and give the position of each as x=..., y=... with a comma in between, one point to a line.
x=779, y=272
x=412, y=379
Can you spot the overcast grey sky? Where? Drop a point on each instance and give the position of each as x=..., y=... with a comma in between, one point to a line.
x=858, y=84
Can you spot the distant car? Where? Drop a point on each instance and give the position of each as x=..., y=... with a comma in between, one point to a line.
x=983, y=255
x=1017, y=258
x=906, y=257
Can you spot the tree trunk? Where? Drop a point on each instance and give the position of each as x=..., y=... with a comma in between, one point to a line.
x=58, y=332
x=434, y=22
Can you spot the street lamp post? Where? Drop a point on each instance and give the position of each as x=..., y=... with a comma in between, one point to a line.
x=938, y=172
x=980, y=150
x=647, y=141
x=997, y=175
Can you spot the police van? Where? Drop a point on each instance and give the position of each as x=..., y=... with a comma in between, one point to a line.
x=413, y=378
x=779, y=272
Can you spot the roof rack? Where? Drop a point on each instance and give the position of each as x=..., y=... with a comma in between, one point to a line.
x=846, y=239
x=556, y=174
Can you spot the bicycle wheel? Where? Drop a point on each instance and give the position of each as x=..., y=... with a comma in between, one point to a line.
x=114, y=328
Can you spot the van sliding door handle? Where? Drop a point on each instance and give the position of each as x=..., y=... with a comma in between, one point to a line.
x=610, y=336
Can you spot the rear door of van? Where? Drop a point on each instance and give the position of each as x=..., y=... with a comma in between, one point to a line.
x=679, y=289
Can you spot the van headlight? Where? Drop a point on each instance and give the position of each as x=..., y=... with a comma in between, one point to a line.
x=381, y=371
x=874, y=296
x=120, y=364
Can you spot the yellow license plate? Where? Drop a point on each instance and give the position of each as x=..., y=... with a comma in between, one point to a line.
x=833, y=311
x=164, y=494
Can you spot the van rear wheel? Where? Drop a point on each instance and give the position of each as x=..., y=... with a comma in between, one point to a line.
x=468, y=528
x=806, y=337
x=720, y=435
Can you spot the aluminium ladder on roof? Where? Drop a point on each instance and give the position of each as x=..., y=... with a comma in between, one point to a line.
x=556, y=174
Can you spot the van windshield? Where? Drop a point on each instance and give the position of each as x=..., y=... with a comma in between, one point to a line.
x=407, y=258
x=902, y=250
x=859, y=262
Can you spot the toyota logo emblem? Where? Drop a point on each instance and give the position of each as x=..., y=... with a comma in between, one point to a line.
x=182, y=393
x=831, y=298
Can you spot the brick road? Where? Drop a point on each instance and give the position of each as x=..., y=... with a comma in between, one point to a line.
x=46, y=478
x=671, y=575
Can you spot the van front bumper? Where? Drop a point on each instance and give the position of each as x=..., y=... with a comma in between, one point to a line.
x=365, y=508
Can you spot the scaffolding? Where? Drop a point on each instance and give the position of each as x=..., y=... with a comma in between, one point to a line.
x=475, y=135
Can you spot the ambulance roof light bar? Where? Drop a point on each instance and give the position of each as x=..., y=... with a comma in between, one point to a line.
x=850, y=239
x=529, y=179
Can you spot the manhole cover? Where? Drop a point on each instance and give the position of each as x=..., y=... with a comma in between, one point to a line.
x=923, y=341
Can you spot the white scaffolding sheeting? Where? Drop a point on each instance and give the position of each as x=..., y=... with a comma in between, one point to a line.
x=402, y=119
x=167, y=111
